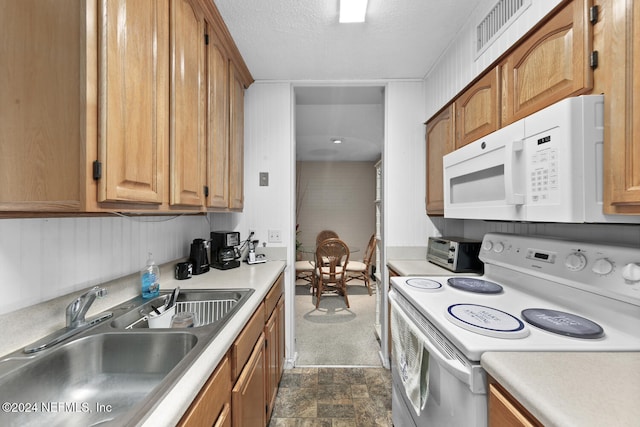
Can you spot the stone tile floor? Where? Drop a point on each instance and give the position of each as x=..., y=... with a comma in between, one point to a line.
x=333, y=397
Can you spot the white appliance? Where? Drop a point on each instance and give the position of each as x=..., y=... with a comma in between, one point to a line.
x=546, y=167
x=531, y=286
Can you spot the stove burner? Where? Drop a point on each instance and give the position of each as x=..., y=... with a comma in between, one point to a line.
x=424, y=284
x=562, y=323
x=471, y=284
x=486, y=321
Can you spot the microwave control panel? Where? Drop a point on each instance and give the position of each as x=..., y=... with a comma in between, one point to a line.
x=542, y=166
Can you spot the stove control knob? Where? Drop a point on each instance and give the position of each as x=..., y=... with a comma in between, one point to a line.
x=487, y=245
x=631, y=273
x=575, y=261
x=602, y=267
x=498, y=247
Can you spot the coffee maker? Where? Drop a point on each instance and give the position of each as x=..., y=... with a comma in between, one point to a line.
x=224, y=254
x=198, y=256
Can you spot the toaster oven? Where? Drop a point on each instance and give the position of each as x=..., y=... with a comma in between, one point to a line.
x=456, y=254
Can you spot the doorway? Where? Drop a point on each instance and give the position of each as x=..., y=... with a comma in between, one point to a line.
x=339, y=134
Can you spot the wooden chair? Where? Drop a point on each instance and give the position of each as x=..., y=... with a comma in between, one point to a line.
x=332, y=257
x=324, y=235
x=362, y=269
x=304, y=270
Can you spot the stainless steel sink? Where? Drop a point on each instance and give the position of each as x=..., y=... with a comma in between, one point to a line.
x=108, y=375
x=211, y=306
x=93, y=379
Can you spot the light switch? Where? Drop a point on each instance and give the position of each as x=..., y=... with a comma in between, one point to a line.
x=264, y=179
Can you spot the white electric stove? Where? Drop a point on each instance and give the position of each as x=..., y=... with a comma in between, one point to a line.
x=536, y=294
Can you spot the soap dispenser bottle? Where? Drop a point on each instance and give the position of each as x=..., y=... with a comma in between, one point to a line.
x=150, y=278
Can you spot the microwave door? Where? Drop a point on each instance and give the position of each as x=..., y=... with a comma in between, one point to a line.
x=484, y=179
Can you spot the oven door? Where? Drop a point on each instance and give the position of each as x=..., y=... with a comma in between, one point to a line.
x=441, y=387
x=485, y=179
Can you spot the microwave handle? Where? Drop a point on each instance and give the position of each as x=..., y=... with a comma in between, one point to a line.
x=513, y=170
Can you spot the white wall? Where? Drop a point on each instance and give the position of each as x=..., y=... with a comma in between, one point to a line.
x=44, y=258
x=406, y=223
x=337, y=196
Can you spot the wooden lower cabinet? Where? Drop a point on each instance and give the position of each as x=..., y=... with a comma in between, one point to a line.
x=248, y=400
x=242, y=390
x=274, y=334
x=212, y=406
x=506, y=411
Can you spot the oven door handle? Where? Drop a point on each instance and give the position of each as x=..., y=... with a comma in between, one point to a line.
x=454, y=366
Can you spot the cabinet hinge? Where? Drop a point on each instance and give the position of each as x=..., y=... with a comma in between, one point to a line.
x=206, y=191
x=206, y=39
x=593, y=14
x=593, y=59
x=97, y=170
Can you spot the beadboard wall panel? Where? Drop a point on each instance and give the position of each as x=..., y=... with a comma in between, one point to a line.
x=404, y=167
x=44, y=258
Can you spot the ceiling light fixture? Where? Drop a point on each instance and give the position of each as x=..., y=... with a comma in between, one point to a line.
x=352, y=10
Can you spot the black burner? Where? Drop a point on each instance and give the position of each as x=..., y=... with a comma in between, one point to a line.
x=562, y=323
x=424, y=284
x=471, y=284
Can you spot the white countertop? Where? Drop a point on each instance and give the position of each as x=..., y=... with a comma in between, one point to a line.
x=27, y=325
x=413, y=267
x=579, y=389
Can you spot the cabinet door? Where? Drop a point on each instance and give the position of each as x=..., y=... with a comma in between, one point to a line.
x=134, y=91
x=214, y=400
x=440, y=141
x=551, y=64
x=272, y=379
x=622, y=108
x=236, y=142
x=41, y=106
x=478, y=109
x=218, y=123
x=188, y=150
x=506, y=411
x=248, y=401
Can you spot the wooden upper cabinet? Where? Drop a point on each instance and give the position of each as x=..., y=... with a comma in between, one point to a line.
x=217, y=123
x=478, y=109
x=622, y=107
x=551, y=64
x=41, y=109
x=134, y=100
x=188, y=108
x=440, y=141
x=236, y=142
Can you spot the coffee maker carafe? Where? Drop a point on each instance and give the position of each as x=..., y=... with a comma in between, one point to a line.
x=223, y=249
x=198, y=257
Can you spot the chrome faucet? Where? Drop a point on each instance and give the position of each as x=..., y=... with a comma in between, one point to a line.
x=76, y=322
x=79, y=307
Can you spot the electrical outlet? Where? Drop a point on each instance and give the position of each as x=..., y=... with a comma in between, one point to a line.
x=274, y=236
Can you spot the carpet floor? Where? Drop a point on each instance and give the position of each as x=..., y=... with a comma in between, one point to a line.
x=334, y=335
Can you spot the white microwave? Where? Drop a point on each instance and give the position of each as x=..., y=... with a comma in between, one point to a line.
x=546, y=167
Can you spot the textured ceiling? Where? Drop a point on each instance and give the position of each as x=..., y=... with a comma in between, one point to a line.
x=301, y=40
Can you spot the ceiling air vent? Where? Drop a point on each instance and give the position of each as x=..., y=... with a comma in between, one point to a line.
x=498, y=20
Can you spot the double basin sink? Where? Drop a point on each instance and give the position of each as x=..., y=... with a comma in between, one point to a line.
x=115, y=372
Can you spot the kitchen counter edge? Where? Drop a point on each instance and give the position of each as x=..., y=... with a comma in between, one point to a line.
x=571, y=388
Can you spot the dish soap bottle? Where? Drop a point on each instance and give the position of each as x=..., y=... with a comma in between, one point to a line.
x=150, y=278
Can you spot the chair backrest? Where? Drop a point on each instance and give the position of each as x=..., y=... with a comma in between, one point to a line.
x=324, y=235
x=371, y=248
x=331, y=254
